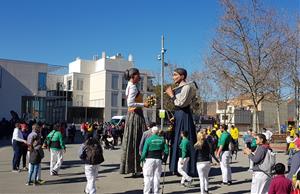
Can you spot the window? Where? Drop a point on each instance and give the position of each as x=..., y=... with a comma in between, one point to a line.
x=224, y=117
x=114, y=99
x=140, y=85
x=79, y=100
x=124, y=83
x=150, y=85
x=114, y=81
x=59, y=86
x=69, y=85
x=42, y=81
x=124, y=112
x=124, y=100
x=114, y=112
x=79, y=84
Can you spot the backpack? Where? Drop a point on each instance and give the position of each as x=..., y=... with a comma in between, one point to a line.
x=268, y=163
x=94, y=154
x=36, y=156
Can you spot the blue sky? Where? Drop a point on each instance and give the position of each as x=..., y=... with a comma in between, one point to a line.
x=58, y=31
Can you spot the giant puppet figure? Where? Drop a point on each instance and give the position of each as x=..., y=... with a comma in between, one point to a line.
x=182, y=98
x=134, y=125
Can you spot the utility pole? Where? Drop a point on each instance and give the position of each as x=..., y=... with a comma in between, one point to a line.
x=162, y=82
x=65, y=88
x=66, y=112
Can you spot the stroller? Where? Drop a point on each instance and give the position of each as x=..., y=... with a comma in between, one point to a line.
x=108, y=140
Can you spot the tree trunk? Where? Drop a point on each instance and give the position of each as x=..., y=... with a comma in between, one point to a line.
x=278, y=118
x=254, y=120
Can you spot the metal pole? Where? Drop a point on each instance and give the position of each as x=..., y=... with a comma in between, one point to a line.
x=162, y=78
x=66, y=111
x=297, y=107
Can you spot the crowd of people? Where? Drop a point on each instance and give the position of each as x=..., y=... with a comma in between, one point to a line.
x=190, y=152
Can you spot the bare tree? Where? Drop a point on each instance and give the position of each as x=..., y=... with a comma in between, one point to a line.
x=243, y=47
x=279, y=78
x=294, y=65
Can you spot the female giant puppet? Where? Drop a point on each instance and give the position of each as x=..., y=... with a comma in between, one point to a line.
x=134, y=125
x=182, y=98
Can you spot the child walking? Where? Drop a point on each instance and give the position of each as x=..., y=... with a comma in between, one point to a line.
x=91, y=153
x=279, y=183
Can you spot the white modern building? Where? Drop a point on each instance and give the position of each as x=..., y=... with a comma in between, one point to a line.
x=91, y=90
x=22, y=88
x=98, y=88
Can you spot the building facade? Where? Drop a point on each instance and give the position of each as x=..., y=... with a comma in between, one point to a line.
x=91, y=90
x=239, y=112
x=23, y=88
x=99, y=84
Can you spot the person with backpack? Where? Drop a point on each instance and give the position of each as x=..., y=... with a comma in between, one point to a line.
x=91, y=153
x=35, y=157
x=262, y=165
x=33, y=139
x=57, y=147
x=279, y=183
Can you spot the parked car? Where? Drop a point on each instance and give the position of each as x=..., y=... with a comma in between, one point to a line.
x=117, y=120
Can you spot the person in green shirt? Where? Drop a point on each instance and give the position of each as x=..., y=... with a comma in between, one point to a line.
x=57, y=148
x=225, y=154
x=155, y=151
x=184, y=158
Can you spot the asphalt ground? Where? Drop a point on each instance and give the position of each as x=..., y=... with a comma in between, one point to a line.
x=71, y=179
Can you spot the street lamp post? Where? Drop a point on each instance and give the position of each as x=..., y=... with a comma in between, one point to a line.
x=64, y=86
x=162, y=81
x=66, y=112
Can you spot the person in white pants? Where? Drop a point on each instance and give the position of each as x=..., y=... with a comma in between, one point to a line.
x=152, y=170
x=225, y=167
x=224, y=154
x=57, y=147
x=260, y=180
x=184, y=158
x=182, y=169
x=91, y=153
x=56, y=160
x=153, y=150
x=203, y=160
x=91, y=173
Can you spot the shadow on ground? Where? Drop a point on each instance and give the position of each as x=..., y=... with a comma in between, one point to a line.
x=114, y=168
x=239, y=192
x=234, y=169
x=131, y=192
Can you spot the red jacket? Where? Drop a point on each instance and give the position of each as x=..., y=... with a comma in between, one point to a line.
x=280, y=185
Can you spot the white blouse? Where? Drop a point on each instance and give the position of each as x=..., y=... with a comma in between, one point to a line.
x=185, y=96
x=131, y=92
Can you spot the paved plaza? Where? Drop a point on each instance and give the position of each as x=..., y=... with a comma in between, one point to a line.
x=72, y=180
